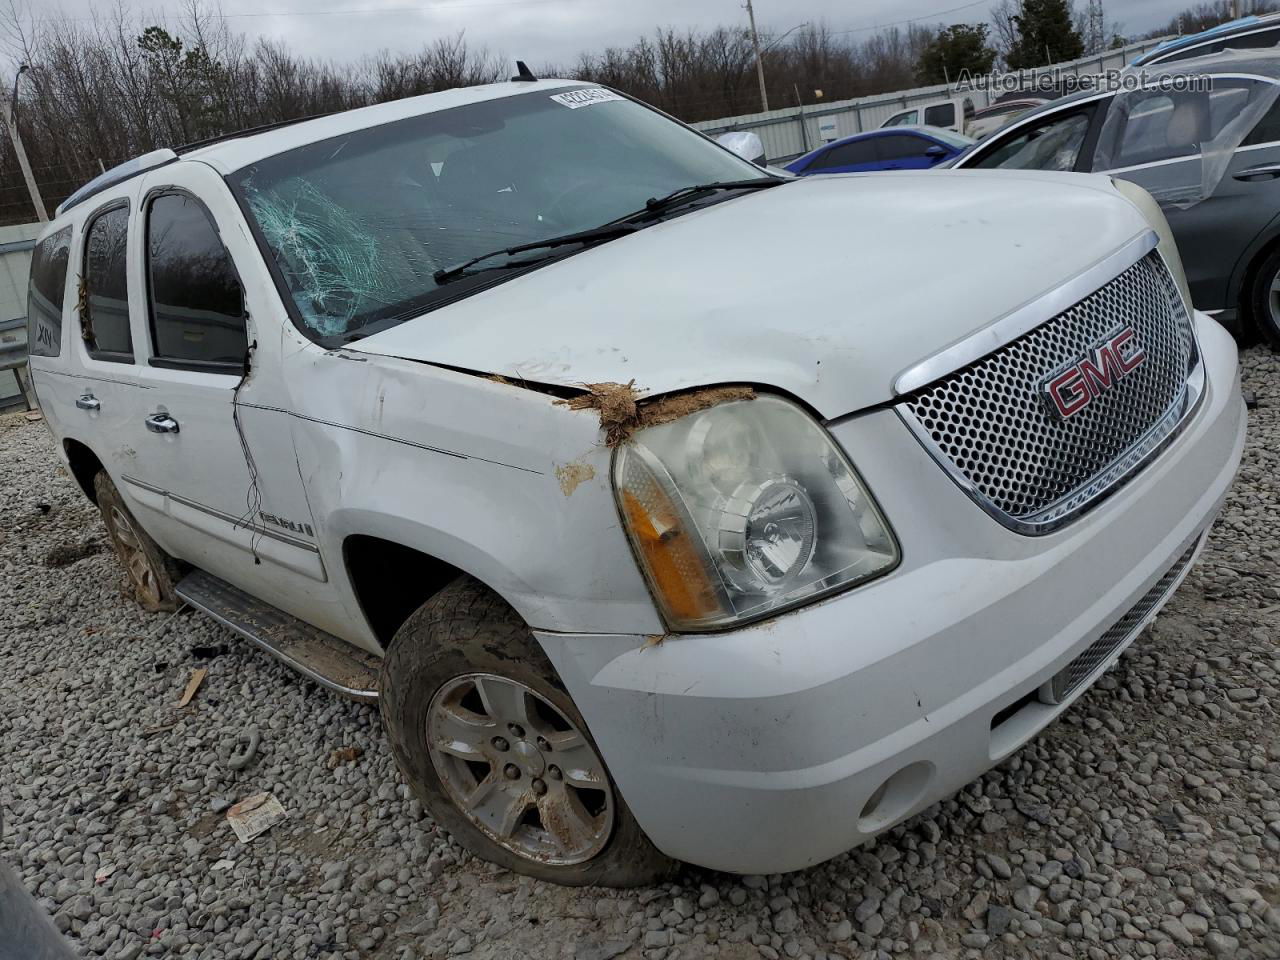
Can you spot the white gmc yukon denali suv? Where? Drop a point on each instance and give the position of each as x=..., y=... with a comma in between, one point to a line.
x=664, y=509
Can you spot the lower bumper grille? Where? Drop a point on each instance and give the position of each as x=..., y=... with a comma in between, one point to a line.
x=1083, y=666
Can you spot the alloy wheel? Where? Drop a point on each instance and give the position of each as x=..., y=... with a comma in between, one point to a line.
x=519, y=769
x=1273, y=301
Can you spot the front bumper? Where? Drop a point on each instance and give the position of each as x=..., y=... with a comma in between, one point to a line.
x=782, y=744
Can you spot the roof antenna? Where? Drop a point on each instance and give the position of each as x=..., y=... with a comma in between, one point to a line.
x=523, y=73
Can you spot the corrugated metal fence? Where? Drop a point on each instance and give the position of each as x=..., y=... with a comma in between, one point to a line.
x=782, y=134
x=16, y=243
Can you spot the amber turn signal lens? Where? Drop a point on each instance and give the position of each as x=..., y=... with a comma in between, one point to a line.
x=675, y=566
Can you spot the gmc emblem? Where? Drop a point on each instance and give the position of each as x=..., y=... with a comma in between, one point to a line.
x=1074, y=387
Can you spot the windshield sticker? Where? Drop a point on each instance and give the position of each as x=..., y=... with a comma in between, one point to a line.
x=585, y=98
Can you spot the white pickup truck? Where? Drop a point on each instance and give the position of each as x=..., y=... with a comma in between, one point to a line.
x=669, y=510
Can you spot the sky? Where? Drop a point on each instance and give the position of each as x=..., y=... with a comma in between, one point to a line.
x=556, y=31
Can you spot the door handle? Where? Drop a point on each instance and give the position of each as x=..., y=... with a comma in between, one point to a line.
x=88, y=402
x=161, y=423
x=1266, y=171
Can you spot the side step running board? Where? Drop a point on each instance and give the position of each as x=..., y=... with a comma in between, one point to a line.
x=322, y=657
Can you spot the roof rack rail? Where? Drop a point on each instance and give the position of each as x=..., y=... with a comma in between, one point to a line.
x=117, y=174
x=246, y=132
x=158, y=158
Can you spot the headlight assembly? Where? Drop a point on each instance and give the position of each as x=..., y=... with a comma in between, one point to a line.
x=743, y=509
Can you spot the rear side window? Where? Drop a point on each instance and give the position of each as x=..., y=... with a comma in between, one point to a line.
x=46, y=292
x=940, y=115
x=196, y=303
x=846, y=155
x=106, y=310
x=901, y=146
x=1167, y=125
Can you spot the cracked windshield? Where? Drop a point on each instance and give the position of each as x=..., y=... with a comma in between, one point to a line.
x=357, y=224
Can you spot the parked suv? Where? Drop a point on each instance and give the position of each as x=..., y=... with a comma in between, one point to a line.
x=1203, y=137
x=669, y=511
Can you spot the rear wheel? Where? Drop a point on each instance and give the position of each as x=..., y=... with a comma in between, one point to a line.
x=1264, y=301
x=151, y=572
x=496, y=750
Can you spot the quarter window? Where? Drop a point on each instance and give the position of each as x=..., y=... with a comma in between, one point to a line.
x=46, y=292
x=196, y=303
x=106, y=316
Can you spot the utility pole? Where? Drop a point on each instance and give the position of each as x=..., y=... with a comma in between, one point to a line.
x=755, y=42
x=804, y=133
x=11, y=121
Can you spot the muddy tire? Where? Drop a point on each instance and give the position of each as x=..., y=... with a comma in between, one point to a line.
x=149, y=571
x=496, y=751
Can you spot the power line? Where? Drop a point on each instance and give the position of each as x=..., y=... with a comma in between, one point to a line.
x=898, y=23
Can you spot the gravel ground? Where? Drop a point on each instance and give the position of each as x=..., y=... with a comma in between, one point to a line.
x=1145, y=823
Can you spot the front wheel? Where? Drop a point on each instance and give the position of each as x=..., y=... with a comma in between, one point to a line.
x=1264, y=298
x=486, y=735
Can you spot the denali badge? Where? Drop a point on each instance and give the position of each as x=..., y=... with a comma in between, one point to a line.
x=1074, y=387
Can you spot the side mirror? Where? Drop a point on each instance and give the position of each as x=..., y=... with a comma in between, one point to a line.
x=745, y=144
x=935, y=152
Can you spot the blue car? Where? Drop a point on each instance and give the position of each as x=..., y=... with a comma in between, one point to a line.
x=893, y=148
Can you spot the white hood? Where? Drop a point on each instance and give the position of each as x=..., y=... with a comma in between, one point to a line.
x=826, y=288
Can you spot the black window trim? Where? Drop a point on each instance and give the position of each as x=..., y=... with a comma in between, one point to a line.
x=105, y=356
x=227, y=368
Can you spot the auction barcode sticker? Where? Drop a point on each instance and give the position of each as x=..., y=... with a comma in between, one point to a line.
x=585, y=98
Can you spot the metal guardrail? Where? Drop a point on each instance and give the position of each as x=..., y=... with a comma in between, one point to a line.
x=792, y=131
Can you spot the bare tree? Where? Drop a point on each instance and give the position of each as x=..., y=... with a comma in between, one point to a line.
x=119, y=84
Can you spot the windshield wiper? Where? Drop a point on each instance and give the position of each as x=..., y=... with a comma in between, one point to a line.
x=654, y=204
x=606, y=232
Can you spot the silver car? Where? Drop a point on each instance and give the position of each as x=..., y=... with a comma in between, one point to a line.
x=1208, y=151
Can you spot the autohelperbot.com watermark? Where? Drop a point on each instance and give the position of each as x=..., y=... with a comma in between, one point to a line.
x=1055, y=83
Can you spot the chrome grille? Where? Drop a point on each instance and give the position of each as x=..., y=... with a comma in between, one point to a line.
x=989, y=424
x=1083, y=666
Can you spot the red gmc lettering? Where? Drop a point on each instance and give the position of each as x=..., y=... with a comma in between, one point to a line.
x=1069, y=392
x=1076, y=387
x=1136, y=356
